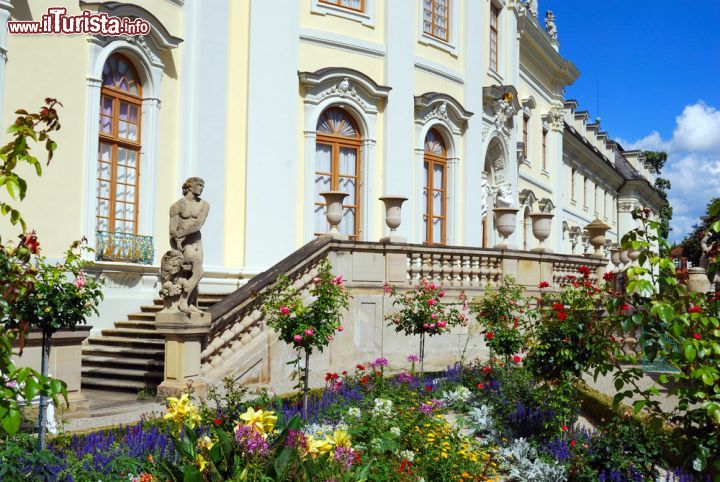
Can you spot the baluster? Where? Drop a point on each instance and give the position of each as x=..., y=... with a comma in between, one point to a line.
x=475, y=272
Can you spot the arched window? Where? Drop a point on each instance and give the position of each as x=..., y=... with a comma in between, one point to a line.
x=337, y=168
x=119, y=147
x=435, y=189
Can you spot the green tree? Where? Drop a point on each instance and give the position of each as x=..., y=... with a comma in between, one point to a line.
x=657, y=159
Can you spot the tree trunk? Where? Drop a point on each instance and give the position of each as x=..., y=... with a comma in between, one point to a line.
x=44, y=360
x=305, y=384
x=422, y=356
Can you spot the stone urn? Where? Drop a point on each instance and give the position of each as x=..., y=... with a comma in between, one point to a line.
x=505, y=220
x=393, y=206
x=624, y=258
x=541, y=225
x=596, y=234
x=633, y=254
x=333, y=213
x=615, y=256
x=698, y=280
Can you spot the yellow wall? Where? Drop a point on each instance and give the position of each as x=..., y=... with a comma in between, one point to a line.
x=341, y=26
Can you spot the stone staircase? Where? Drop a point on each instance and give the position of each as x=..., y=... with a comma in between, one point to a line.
x=130, y=356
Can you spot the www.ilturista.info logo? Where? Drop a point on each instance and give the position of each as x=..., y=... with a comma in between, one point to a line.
x=56, y=21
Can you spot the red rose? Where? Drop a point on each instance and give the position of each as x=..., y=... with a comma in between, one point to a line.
x=543, y=284
x=584, y=270
x=561, y=315
x=489, y=335
x=572, y=443
x=609, y=276
x=516, y=358
x=481, y=385
x=360, y=367
x=558, y=307
x=696, y=336
x=217, y=421
x=694, y=309
x=625, y=307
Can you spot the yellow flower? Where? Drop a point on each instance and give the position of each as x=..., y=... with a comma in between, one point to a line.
x=181, y=410
x=205, y=443
x=200, y=462
x=317, y=447
x=340, y=438
x=262, y=421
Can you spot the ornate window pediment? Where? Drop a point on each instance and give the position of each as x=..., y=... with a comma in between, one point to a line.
x=434, y=105
x=338, y=82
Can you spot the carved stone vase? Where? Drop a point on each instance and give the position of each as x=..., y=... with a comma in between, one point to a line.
x=541, y=226
x=333, y=212
x=505, y=220
x=393, y=206
x=698, y=280
x=615, y=256
x=596, y=234
x=624, y=258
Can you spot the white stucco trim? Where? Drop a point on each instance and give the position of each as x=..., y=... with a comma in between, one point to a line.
x=366, y=17
x=150, y=70
x=439, y=70
x=451, y=44
x=341, y=42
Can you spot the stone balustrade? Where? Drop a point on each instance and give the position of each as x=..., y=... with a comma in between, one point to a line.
x=240, y=345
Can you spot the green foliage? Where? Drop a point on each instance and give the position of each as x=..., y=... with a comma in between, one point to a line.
x=683, y=329
x=573, y=334
x=18, y=275
x=63, y=296
x=36, y=127
x=505, y=316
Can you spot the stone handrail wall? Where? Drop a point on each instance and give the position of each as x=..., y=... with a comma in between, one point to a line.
x=240, y=345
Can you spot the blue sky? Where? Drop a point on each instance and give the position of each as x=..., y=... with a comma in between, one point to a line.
x=657, y=63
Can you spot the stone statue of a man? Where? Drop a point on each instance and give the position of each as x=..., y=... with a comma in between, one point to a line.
x=550, y=26
x=187, y=216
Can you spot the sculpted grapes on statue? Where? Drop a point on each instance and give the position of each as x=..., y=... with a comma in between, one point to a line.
x=187, y=216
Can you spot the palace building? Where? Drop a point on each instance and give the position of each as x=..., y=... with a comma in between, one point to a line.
x=457, y=105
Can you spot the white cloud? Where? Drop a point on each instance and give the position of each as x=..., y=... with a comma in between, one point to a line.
x=693, y=165
x=697, y=129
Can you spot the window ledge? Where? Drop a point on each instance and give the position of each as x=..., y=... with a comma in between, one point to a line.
x=491, y=72
x=427, y=39
x=364, y=18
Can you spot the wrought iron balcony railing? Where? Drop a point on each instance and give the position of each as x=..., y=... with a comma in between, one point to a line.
x=132, y=248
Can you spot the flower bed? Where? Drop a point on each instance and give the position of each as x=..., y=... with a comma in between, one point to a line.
x=485, y=421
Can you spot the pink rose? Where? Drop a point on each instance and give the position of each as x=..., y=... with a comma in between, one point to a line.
x=340, y=328
x=442, y=324
x=432, y=286
x=426, y=326
x=284, y=310
x=297, y=338
x=433, y=316
x=441, y=294
x=431, y=325
x=309, y=332
x=431, y=302
x=80, y=281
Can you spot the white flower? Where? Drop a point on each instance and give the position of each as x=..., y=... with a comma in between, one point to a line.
x=395, y=431
x=354, y=412
x=407, y=454
x=697, y=465
x=382, y=408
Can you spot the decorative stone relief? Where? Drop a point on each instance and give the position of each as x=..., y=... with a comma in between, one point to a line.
x=627, y=206
x=503, y=109
x=546, y=205
x=556, y=119
x=527, y=198
x=439, y=112
x=504, y=197
x=344, y=88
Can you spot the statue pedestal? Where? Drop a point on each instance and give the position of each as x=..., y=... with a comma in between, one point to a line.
x=392, y=239
x=698, y=280
x=184, y=335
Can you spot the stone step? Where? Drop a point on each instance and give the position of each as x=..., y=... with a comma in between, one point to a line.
x=150, y=308
x=126, y=342
x=131, y=374
x=203, y=300
x=132, y=333
x=124, y=361
x=123, y=351
x=102, y=382
x=142, y=316
x=136, y=324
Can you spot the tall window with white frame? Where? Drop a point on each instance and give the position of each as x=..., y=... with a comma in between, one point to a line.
x=526, y=124
x=354, y=5
x=494, y=37
x=337, y=168
x=435, y=189
x=572, y=184
x=585, y=192
x=436, y=16
x=119, y=147
x=544, y=150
